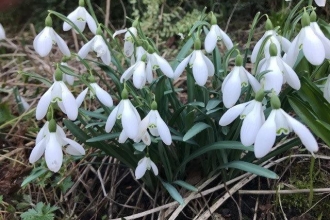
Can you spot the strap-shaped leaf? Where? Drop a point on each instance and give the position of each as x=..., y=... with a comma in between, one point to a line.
x=197, y=128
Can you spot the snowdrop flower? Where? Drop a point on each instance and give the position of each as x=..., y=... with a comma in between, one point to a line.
x=310, y=43
x=318, y=32
x=214, y=35
x=60, y=94
x=98, y=45
x=2, y=33
x=272, y=37
x=46, y=38
x=100, y=93
x=80, y=17
x=50, y=141
x=128, y=38
x=143, y=165
x=158, y=62
x=66, y=77
x=156, y=126
x=326, y=91
x=202, y=67
x=320, y=3
x=277, y=123
x=130, y=118
x=238, y=77
x=279, y=72
x=253, y=117
x=139, y=52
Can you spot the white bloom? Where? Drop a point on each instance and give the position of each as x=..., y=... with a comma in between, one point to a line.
x=325, y=41
x=139, y=52
x=279, y=73
x=2, y=33
x=51, y=144
x=100, y=93
x=326, y=91
x=156, y=126
x=66, y=77
x=129, y=40
x=157, y=61
x=277, y=123
x=141, y=73
x=80, y=17
x=253, y=117
x=98, y=45
x=202, y=67
x=144, y=165
x=60, y=94
x=232, y=84
x=45, y=39
x=311, y=45
x=320, y=3
x=281, y=44
x=213, y=36
x=130, y=119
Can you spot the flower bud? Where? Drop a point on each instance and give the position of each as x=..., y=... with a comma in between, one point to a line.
x=275, y=102
x=239, y=60
x=124, y=94
x=269, y=25
x=81, y=3
x=260, y=95
x=305, y=20
x=197, y=44
x=52, y=126
x=273, y=50
x=154, y=105
x=213, y=19
x=58, y=74
x=313, y=16
x=48, y=21
x=91, y=79
x=99, y=30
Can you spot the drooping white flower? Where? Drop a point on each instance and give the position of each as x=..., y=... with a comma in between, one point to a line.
x=156, y=126
x=318, y=32
x=139, y=52
x=202, y=67
x=143, y=165
x=253, y=117
x=326, y=91
x=98, y=45
x=80, y=17
x=320, y=3
x=2, y=33
x=50, y=141
x=214, y=35
x=130, y=118
x=66, y=77
x=158, y=62
x=141, y=73
x=277, y=123
x=282, y=44
x=44, y=41
x=279, y=72
x=234, y=81
x=60, y=94
x=129, y=40
x=97, y=91
x=310, y=44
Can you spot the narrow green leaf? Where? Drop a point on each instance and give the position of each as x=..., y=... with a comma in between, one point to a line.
x=37, y=77
x=212, y=104
x=173, y=192
x=186, y=185
x=251, y=168
x=104, y=137
x=32, y=177
x=197, y=128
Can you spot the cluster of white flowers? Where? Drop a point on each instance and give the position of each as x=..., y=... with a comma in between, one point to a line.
x=272, y=71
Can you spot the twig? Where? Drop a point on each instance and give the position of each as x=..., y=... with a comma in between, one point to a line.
x=107, y=15
x=231, y=15
x=288, y=191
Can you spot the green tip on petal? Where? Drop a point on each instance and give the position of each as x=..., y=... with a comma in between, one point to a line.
x=305, y=20
x=99, y=30
x=239, y=60
x=124, y=94
x=197, y=44
x=58, y=74
x=49, y=21
x=213, y=19
x=154, y=105
x=260, y=95
x=275, y=102
x=313, y=16
x=52, y=126
x=269, y=25
x=82, y=3
x=273, y=50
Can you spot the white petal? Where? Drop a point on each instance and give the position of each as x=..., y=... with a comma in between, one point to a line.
x=38, y=151
x=180, y=68
x=326, y=91
x=282, y=125
x=209, y=64
x=303, y=133
x=80, y=98
x=53, y=153
x=320, y=3
x=139, y=75
x=325, y=41
x=285, y=43
x=129, y=120
x=164, y=66
x=163, y=130
x=119, y=32
x=68, y=78
x=251, y=125
x=86, y=48
x=2, y=33
x=312, y=47
x=253, y=81
x=102, y=95
x=292, y=54
x=43, y=42
x=91, y=22
x=112, y=119
x=154, y=168
x=74, y=148
x=122, y=137
x=106, y=57
x=231, y=89
x=42, y=133
x=128, y=48
x=43, y=104
x=200, y=69
x=69, y=103
x=72, y=17
x=232, y=113
x=256, y=49
x=141, y=168
x=226, y=40
x=149, y=73
x=61, y=44
x=266, y=136
x=291, y=77
x=211, y=40
x=128, y=73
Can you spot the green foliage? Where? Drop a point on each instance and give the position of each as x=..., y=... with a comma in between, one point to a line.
x=40, y=212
